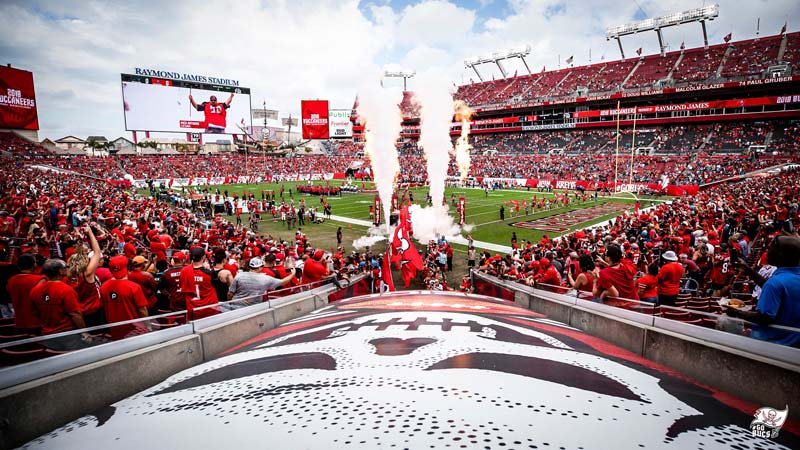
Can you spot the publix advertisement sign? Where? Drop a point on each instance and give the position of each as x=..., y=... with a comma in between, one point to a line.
x=339, y=123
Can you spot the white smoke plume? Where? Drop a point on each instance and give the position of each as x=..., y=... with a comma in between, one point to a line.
x=433, y=93
x=431, y=223
x=379, y=111
x=463, y=114
x=367, y=241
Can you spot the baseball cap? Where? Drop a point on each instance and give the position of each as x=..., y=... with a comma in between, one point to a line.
x=255, y=263
x=670, y=256
x=319, y=254
x=118, y=266
x=179, y=256
x=197, y=253
x=280, y=256
x=139, y=259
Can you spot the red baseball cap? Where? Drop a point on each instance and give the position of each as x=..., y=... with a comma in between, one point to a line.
x=318, y=254
x=118, y=266
x=179, y=256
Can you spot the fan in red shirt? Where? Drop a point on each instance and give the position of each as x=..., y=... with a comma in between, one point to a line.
x=144, y=279
x=669, y=279
x=171, y=282
x=314, y=268
x=123, y=300
x=721, y=271
x=81, y=268
x=196, y=286
x=56, y=305
x=617, y=279
x=19, y=289
x=215, y=113
x=549, y=277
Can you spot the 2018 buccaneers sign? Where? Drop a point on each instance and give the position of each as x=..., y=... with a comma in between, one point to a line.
x=17, y=100
x=315, y=119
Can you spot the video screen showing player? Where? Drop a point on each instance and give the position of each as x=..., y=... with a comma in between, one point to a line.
x=215, y=113
x=161, y=105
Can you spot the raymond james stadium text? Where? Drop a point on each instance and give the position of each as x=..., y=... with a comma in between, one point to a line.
x=185, y=77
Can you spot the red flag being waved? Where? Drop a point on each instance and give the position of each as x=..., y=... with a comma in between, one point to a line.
x=406, y=257
x=387, y=284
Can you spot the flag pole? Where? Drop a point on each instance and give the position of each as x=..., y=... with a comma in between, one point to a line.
x=616, y=157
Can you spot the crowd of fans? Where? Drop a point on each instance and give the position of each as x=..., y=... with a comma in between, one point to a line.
x=78, y=252
x=723, y=242
x=745, y=59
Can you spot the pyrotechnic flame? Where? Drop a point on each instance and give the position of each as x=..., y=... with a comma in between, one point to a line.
x=463, y=114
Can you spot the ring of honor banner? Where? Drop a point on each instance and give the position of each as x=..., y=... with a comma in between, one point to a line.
x=315, y=119
x=377, y=211
x=17, y=100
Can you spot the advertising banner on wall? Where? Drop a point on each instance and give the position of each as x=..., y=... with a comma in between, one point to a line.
x=315, y=119
x=17, y=100
x=339, y=124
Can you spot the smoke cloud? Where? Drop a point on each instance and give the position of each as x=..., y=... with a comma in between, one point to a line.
x=379, y=111
x=436, y=114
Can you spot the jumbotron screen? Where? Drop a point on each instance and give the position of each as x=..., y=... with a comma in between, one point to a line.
x=158, y=104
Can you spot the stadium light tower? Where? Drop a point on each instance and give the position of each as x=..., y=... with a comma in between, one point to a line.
x=497, y=57
x=701, y=15
x=404, y=74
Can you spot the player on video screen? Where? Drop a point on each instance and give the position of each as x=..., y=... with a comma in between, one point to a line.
x=215, y=113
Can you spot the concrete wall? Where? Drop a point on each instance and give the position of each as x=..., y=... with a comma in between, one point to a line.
x=221, y=337
x=31, y=409
x=762, y=373
x=758, y=381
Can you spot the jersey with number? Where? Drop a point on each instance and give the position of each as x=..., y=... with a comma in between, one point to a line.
x=722, y=270
x=197, y=287
x=215, y=113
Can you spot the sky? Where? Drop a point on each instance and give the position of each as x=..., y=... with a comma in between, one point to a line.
x=288, y=50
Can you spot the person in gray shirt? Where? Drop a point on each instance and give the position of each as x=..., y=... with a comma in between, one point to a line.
x=251, y=283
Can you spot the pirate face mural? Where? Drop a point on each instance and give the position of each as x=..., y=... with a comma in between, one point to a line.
x=420, y=370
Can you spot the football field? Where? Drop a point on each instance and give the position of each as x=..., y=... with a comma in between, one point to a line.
x=482, y=211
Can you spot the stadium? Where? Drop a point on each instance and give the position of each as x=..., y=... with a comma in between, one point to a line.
x=596, y=255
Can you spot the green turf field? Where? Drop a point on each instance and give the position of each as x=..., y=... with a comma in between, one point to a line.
x=482, y=210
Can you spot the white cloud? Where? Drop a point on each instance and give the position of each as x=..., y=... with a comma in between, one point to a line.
x=289, y=50
x=435, y=22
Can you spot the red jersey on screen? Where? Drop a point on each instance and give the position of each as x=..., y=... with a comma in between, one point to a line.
x=197, y=288
x=19, y=287
x=215, y=113
x=52, y=303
